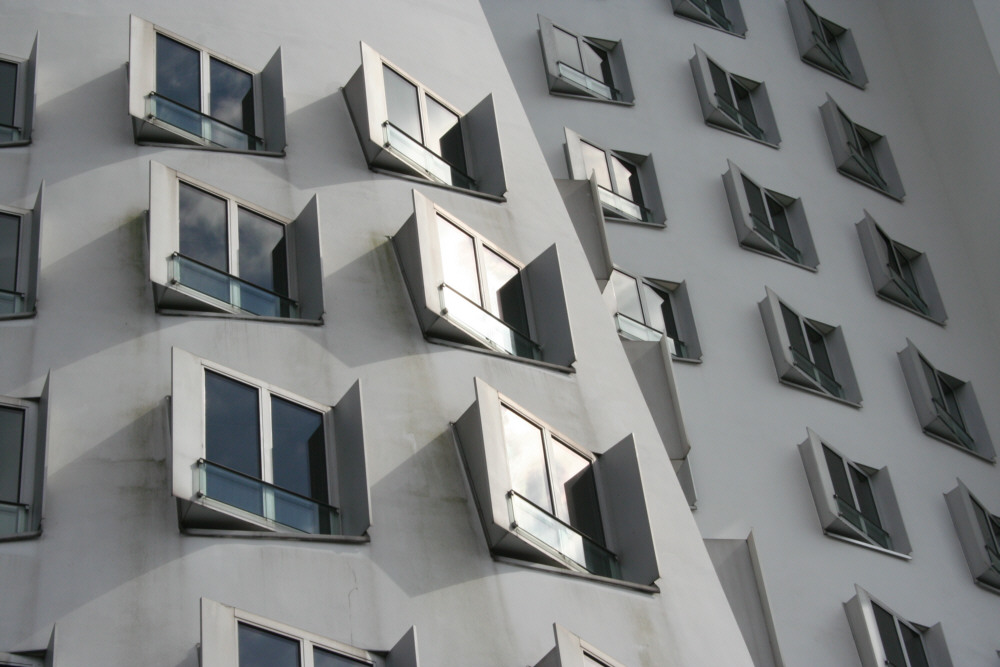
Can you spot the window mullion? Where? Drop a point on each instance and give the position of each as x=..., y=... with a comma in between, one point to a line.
x=484, y=300
x=611, y=173
x=547, y=451
x=425, y=124
x=266, y=437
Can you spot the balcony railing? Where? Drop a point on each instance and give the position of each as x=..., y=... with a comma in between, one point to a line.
x=741, y=119
x=824, y=380
x=954, y=425
x=257, y=497
x=588, y=82
x=618, y=205
x=9, y=133
x=635, y=330
x=194, y=122
x=717, y=18
x=911, y=293
x=11, y=303
x=13, y=518
x=871, y=170
x=424, y=159
x=835, y=58
x=781, y=245
x=485, y=325
x=867, y=526
x=228, y=289
x=560, y=539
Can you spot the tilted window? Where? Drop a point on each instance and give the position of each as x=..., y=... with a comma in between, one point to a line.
x=182, y=93
x=826, y=45
x=545, y=500
x=769, y=222
x=979, y=533
x=899, y=273
x=406, y=129
x=725, y=15
x=17, y=98
x=627, y=190
x=587, y=67
x=232, y=637
x=571, y=651
x=733, y=103
x=22, y=465
x=650, y=309
x=468, y=291
x=249, y=456
x=854, y=501
x=211, y=252
x=946, y=407
x=860, y=153
x=883, y=637
x=807, y=353
x=20, y=233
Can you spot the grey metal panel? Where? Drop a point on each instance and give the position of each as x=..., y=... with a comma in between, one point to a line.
x=40, y=454
x=651, y=366
x=568, y=648
x=969, y=533
x=650, y=186
x=852, y=58
x=164, y=221
x=32, y=250
x=821, y=486
x=584, y=210
x=483, y=135
x=920, y=392
x=974, y=421
x=936, y=646
x=889, y=511
x=739, y=204
x=308, y=261
x=187, y=422
x=801, y=27
x=141, y=66
x=777, y=335
x=835, y=133
x=548, y=303
x=404, y=653
x=619, y=72
x=705, y=86
x=843, y=369
x=574, y=156
x=684, y=315
x=876, y=257
x=419, y=251
x=351, y=458
x=218, y=634
x=26, y=106
x=273, y=104
x=550, y=53
x=861, y=619
x=765, y=114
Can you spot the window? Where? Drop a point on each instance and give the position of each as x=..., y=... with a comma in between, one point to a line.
x=211, y=252
x=248, y=456
x=470, y=292
x=733, y=103
x=900, y=274
x=854, y=501
x=769, y=222
x=20, y=232
x=649, y=309
x=407, y=130
x=232, y=637
x=725, y=15
x=826, y=45
x=545, y=500
x=627, y=190
x=946, y=407
x=22, y=465
x=860, y=153
x=807, y=353
x=883, y=637
x=571, y=651
x=979, y=533
x=182, y=93
x=586, y=67
x=17, y=98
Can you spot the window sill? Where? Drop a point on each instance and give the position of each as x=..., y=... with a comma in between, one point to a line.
x=262, y=535
x=630, y=221
x=868, y=545
x=426, y=181
x=591, y=98
x=236, y=316
x=502, y=355
x=870, y=185
x=13, y=144
x=742, y=133
x=909, y=308
x=959, y=447
x=987, y=587
x=686, y=360
x=833, y=73
x=779, y=257
x=19, y=316
x=19, y=537
x=651, y=589
x=712, y=25
x=820, y=392
x=202, y=147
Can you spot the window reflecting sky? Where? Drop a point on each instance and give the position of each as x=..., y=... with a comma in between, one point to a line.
x=203, y=228
x=458, y=260
x=402, y=105
x=262, y=253
x=526, y=458
x=11, y=438
x=9, y=237
x=178, y=72
x=298, y=449
x=232, y=424
x=231, y=95
x=260, y=648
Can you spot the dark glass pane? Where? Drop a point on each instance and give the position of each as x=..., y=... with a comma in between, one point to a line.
x=260, y=648
x=8, y=92
x=831, y=42
x=458, y=260
x=744, y=103
x=841, y=483
x=669, y=320
x=866, y=499
x=886, y=623
x=298, y=449
x=526, y=458
x=232, y=424
x=914, y=646
x=779, y=221
x=401, y=104
x=987, y=525
x=596, y=63
x=323, y=658
x=794, y=327
x=178, y=73
x=951, y=402
x=595, y=160
x=444, y=134
x=504, y=290
x=263, y=256
x=814, y=21
x=10, y=226
x=721, y=82
x=717, y=6
x=574, y=491
x=231, y=95
x=568, y=49
x=756, y=200
x=932, y=381
x=626, y=179
x=817, y=345
x=11, y=444
x=906, y=272
x=204, y=234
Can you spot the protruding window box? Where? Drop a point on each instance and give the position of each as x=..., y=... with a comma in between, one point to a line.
x=979, y=533
x=734, y=103
x=726, y=15
x=826, y=45
x=584, y=67
x=859, y=153
x=17, y=98
x=884, y=638
x=23, y=428
x=20, y=234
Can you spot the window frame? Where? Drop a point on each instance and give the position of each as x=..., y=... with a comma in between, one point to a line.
x=365, y=94
x=982, y=551
x=789, y=372
x=568, y=84
x=763, y=128
x=199, y=514
x=929, y=416
x=843, y=134
x=32, y=474
x=861, y=619
x=24, y=99
x=149, y=129
x=303, y=251
x=28, y=247
x=814, y=49
x=890, y=285
x=752, y=237
x=732, y=15
x=572, y=651
x=685, y=346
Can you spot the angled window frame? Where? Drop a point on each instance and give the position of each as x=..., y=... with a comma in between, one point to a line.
x=900, y=274
x=826, y=45
x=979, y=534
x=966, y=431
x=447, y=316
x=219, y=647
x=654, y=297
x=302, y=305
x=152, y=128
x=701, y=11
x=759, y=235
x=23, y=510
x=572, y=651
x=845, y=518
x=722, y=108
x=861, y=616
x=567, y=80
x=624, y=515
x=389, y=149
x=22, y=105
x=199, y=514
x=793, y=369
x=617, y=204
x=22, y=300
x=859, y=153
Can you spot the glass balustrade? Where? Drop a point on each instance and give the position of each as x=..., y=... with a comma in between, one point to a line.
x=954, y=425
x=229, y=289
x=781, y=245
x=583, y=80
x=9, y=133
x=740, y=118
x=13, y=518
x=423, y=159
x=870, y=528
x=11, y=303
x=483, y=324
x=805, y=364
x=621, y=206
x=201, y=125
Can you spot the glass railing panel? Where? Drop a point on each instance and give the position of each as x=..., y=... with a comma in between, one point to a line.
x=635, y=330
x=13, y=518
x=11, y=303
x=201, y=125
x=736, y=115
x=871, y=170
x=835, y=59
x=561, y=538
x=911, y=294
x=805, y=364
x=870, y=528
x=586, y=81
x=678, y=348
x=265, y=500
x=9, y=133
x=622, y=207
x=954, y=425
x=423, y=159
x=717, y=18
x=469, y=315
x=229, y=289
x=779, y=244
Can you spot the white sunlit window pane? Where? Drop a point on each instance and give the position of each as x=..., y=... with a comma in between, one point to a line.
x=595, y=161
x=627, y=296
x=458, y=259
x=526, y=458
x=504, y=292
x=402, y=104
